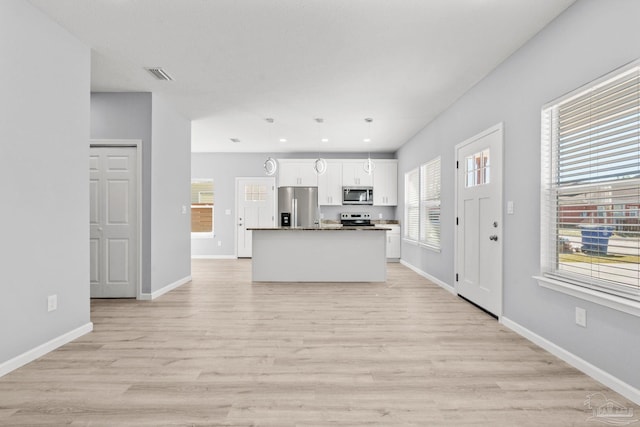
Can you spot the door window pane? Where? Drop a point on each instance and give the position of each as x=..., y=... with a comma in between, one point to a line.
x=478, y=169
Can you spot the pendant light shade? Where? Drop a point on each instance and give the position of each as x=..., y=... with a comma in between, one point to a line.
x=320, y=165
x=368, y=165
x=270, y=166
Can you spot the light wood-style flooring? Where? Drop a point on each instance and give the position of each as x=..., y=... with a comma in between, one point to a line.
x=223, y=351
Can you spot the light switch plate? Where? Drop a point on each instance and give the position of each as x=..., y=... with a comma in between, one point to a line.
x=581, y=317
x=52, y=302
x=510, y=207
x=227, y=211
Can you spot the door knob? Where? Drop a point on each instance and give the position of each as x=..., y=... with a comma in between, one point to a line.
x=494, y=238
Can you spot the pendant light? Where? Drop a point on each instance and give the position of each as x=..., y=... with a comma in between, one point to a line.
x=320, y=165
x=270, y=165
x=368, y=165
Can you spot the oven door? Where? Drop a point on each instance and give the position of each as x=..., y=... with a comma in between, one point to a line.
x=357, y=195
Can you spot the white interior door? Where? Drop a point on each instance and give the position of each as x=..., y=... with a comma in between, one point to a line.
x=113, y=222
x=255, y=207
x=479, y=220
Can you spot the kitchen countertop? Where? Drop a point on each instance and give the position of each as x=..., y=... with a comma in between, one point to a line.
x=320, y=228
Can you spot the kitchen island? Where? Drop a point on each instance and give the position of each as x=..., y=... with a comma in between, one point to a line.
x=320, y=254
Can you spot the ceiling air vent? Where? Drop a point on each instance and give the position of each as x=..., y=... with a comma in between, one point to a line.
x=234, y=140
x=159, y=74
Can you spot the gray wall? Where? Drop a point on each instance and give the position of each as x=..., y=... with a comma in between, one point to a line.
x=44, y=128
x=128, y=116
x=166, y=139
x=223, y=168
x=170, y=189
x=590, y=39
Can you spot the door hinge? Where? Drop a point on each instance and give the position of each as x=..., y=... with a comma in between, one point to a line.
x=456, y=277
x=457, y=164
x=456, y=220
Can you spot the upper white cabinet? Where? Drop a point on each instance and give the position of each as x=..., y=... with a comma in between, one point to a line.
x=330, y=185
x=296, y=173
x=342, y=173
x=353, y=174
x=385, y=183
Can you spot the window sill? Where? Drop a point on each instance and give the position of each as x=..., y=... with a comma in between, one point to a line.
x=410, y=241
x=430, y=248
x=202, y=235
x=601, y=298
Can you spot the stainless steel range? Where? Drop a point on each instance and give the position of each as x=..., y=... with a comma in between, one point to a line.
x=356, y=219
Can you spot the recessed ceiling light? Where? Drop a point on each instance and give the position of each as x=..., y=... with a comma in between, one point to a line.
x=325, y=140
x=159, y=73
x=283, y=140
x=367, y=140
x=235, y=140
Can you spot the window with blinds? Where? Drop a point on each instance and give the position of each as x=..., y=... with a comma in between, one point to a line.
x=202, y=206
x=430, y=203
x=591, y=185
x=412, y=204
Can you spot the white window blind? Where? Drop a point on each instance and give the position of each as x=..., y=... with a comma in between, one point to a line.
x=412, y=204
x=591, y=185
x=430, y=203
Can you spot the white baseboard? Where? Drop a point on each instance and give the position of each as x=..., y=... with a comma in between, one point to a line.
x=213, y=257
x=168, y=288
x=429, y=277
x=594, y=372
x=41, y=350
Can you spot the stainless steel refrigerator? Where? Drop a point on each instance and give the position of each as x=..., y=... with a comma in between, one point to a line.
x=301, y=203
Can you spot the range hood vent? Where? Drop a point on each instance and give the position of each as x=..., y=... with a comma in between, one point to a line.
x=159, y=73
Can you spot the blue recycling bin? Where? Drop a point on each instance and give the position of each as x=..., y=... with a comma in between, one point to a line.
x=595, y=239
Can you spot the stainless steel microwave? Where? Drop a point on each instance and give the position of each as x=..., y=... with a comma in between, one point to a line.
x=357, y=195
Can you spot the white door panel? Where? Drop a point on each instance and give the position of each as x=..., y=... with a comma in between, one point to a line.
x=113, y=222
x=479, y=219
x=255, y=206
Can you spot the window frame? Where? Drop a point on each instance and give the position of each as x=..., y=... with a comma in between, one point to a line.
x=422, y=203
x=554, y=185
x=204, y=234
x=430, y=201
x=410, y=205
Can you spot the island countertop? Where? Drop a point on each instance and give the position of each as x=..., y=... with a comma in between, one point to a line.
x=376, y=228
x=319, y=254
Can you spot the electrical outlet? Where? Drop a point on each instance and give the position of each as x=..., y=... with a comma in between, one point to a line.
x=52, y=302
x=184, y=209
x=219, y=242
x=379, y=216
x=581, y=317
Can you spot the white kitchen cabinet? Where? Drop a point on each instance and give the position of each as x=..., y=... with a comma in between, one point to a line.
x=353, y=174
x=296, y=173
x=330, y=185
x=385, y=183
x=393, y=241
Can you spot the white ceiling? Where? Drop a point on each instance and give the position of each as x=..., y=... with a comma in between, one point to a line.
x=237, y=62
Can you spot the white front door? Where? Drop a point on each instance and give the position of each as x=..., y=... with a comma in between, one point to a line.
x=479, y=220
x=113, y=222
x=255, y=207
